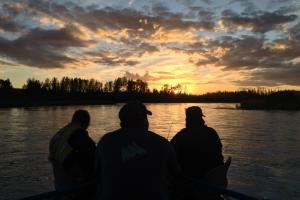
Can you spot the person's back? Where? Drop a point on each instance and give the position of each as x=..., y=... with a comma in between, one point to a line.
x=133, y=163
x=71, y=152
x=198, y=150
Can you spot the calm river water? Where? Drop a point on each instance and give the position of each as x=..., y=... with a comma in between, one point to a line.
x=265, y=145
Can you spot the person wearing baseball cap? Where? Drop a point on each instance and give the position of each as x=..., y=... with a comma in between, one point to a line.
x=198, y=147
x=134, y=115
x=194, y=116
x=133, y=162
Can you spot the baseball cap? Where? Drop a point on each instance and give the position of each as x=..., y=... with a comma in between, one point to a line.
x=194, y=111
x=133, y=110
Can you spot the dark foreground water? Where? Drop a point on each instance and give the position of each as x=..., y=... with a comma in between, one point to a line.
x=265, y=145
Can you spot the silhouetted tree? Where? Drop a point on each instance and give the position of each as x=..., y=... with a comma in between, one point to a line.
x=155, y=91
x=5, y=85
x=46, y=85
x=54, y=83
x=131, y=86
x=165, y=89
x=98, y=86
x=177, y=89
x=33, y=85
x=142, y=86
x=65, y=84
x=110, y=86
x=117, y=85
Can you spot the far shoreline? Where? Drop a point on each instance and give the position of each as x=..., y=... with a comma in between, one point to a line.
x=90, y=103
x=238, y=105
x=36, y=94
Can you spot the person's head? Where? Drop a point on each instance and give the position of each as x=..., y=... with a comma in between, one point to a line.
x=194, y=116
x=81, y=117
x=134, y=115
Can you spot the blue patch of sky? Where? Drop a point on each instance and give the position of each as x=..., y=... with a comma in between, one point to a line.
x=85, y=3
x=239, y=33
x=175, y=45
x=105, y=46
x=274, y=35
x=10, y=35
x=275, y=4
x=210, y=34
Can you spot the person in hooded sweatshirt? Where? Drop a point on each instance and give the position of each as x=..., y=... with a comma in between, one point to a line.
x=133, y=162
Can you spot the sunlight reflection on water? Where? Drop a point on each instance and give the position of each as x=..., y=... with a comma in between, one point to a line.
x=264, y=144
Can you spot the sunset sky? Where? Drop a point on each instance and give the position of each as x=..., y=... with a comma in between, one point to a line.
x=205, y=45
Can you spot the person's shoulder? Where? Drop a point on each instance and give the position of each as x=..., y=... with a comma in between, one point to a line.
x=182, y=131
x=210, y=129
x=81, y=136
x=180, y=134
x=156, y=137
x=109, y=136
x=60, y=131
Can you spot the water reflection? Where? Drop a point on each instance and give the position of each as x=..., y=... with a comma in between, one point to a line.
x=264, y=144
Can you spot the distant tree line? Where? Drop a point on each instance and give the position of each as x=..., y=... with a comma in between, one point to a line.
x=69, y=90
x=78, y=85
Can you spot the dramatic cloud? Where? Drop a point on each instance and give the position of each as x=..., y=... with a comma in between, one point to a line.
x=6, y=24
x=294, y=33
x=289, y=76
x=251, y=52
x=276, y=62
x=233, y=42
x=259, y=21
x=107, y=58
x=42, y=48
x=117, y=19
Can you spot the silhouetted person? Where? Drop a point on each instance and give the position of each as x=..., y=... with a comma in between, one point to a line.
x=72, y=154
x=198, y=147
x=132, y=162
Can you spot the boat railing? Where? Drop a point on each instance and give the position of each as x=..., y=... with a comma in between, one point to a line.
x=221, y=191
x=226, y=193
